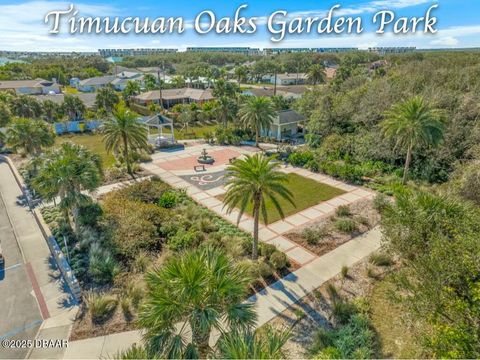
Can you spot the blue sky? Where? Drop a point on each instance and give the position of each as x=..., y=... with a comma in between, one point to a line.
x=22, y=26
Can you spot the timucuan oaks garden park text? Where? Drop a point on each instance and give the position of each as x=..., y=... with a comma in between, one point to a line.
x=279, y=23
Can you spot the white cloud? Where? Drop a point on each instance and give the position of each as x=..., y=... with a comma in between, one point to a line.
x=445, y=41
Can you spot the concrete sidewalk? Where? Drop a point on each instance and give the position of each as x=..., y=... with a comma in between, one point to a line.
x=57, y=306
x=268, y=303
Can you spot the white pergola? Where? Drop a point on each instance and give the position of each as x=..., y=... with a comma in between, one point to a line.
x=159, y=121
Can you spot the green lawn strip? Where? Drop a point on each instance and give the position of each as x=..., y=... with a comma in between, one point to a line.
x=306, y=193
x=92, y=142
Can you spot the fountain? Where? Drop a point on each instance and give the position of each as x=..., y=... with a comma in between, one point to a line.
x=205, y=158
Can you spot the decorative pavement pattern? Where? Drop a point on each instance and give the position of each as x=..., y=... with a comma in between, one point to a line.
x=206, y=181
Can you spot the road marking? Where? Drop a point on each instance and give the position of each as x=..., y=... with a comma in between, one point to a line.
x=20, y=329
x=11, y=267
x=38, y=293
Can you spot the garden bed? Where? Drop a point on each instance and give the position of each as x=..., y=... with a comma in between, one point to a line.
x=136, y=229
x=328, y=233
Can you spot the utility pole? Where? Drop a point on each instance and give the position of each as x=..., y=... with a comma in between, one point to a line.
x=275, y=83
x=160, y=89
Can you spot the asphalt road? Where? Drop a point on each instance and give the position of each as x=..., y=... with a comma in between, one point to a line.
x=20, y=315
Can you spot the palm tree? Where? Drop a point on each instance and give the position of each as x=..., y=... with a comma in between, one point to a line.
x=226, y=109
x=251, y=182
x=74, y=107
x=5, y=114
x=316, y=74
x=267, y=344
x=123, y=134
x=196, y=292
x=29, y=136
x=26, y=106
x=106, y=99
x=241, y=73
x=413, y=123
x=150, y=82
x=66, y=172
x=51, y=111
x=132, y=88
x=257, y=113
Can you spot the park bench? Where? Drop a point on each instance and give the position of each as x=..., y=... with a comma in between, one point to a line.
x=199, y=168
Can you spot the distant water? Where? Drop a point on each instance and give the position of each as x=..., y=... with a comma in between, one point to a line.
x=3, y=61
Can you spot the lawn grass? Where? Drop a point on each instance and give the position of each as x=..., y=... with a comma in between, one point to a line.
x=396, y=339
x=306, y=193
x=194, y=132
x=92, y=142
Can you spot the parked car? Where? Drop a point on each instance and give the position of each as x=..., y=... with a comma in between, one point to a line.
x=2, y=259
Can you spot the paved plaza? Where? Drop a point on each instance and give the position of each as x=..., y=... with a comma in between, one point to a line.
x=177, y=169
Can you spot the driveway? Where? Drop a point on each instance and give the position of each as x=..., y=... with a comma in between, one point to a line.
x=20, y=316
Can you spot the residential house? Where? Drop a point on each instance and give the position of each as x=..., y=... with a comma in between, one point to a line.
x=289, y=92
x=31, y=87
x=172, y=97
x=289, y=79
x=287, y=125
x=95, y=83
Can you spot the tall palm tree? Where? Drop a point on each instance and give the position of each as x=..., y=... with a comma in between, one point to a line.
x=51, y=111
x=257, y=113
x=316, y=74
x=74, y=107
x=249, y=345
x=413, y=123
x=122, y=133
x=66, y=172
x=106, y=99
x=132, y=88
x=241, y=73
x=252, y=181
x=196, y=292
x=150, y=82
x=226, y=109
x=29, y=136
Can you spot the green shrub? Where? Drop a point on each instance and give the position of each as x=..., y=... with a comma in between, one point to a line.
x=141, y=262
x=267, y=249
x=102, y=266
x=126, y=306
x=343, y=211
x=300, y=158
x=168, y=199
x=314, y=235
x=346, y=226
x=330, y=352
x=380, y=202
x=278, y=260
x=88, y=215
x=343, y=311
x=380, y=259
x=100, y=306
x=183, y=239
x=344, y=271
x=146, y=191
x=264, y=269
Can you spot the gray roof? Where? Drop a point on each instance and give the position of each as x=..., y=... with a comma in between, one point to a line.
x=288, y=117
x=87, y=98
x=99, y=80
